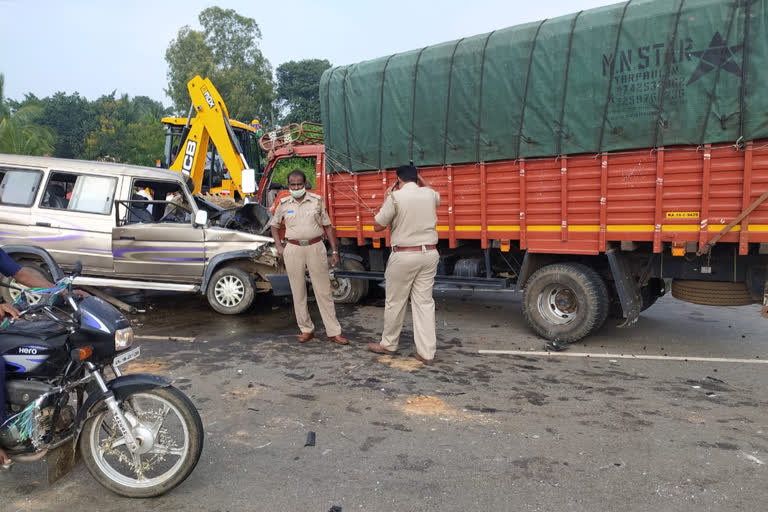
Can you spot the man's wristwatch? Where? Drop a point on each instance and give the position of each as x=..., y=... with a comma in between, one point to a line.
x=334, y=252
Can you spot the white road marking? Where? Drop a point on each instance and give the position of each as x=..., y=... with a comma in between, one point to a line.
x=623, y=356
x=163, y=338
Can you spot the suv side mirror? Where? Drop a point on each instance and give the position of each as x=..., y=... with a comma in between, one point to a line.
x=201, y=218
x=248, y=181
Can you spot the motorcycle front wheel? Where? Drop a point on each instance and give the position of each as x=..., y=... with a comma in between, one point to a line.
x=169, y=434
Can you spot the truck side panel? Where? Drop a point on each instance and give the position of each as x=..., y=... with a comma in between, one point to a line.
x=577, y=204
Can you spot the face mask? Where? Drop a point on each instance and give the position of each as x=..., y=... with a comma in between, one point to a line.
x=297, y=194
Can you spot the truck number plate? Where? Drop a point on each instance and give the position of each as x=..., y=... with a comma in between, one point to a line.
x=127, y=356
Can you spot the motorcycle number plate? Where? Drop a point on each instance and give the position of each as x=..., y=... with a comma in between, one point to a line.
x=127, y=356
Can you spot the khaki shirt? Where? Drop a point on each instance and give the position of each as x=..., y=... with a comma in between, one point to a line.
x=411, y=211
x=304, y=218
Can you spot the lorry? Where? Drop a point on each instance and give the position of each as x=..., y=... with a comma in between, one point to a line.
x=586, y=161
x=215, y=152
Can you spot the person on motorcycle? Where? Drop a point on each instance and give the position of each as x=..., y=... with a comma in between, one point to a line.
x=27, y=277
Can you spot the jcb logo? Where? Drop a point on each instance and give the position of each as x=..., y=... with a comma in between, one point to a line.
x=189, y=156
x=209, y=99
x=207, y=96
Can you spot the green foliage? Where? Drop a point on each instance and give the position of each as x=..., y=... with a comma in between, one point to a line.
x=287, y=165
x=129, y=131
x=298, y=89
x=72, y=117
x=122, y=129
x=20, y=131
x=226, y=50
x=5, y=110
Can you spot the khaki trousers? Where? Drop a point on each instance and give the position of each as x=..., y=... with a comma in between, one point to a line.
x=313, y=257
x=411, y=274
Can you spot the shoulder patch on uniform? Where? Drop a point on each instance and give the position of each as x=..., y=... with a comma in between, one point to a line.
x=312, y=194
x=285, y=199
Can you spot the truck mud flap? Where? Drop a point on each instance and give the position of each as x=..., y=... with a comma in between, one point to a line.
x=281, y=287
x=627, y=288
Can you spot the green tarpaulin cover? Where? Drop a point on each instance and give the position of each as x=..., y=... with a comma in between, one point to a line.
x=644, y=73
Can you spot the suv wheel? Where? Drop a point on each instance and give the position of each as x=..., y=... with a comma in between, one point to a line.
x=231, y=290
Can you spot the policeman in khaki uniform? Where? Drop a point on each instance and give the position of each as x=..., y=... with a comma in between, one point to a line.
x=305, y=221
x=410, y=210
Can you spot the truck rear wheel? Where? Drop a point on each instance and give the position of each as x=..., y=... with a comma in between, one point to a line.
x=565, y=302
x=349, y=291
x=231, y=290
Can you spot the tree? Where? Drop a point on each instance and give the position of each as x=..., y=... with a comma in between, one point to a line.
x=20, y=132
x=226, y=50
x=298, y=89
x=72, y=117
x=128, y=130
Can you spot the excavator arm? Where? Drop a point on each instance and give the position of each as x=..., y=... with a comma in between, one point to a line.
x=211, y=124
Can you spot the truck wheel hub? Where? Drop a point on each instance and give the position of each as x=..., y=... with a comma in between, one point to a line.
x=557, y=304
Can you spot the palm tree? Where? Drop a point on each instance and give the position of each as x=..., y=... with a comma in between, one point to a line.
x=19, y=134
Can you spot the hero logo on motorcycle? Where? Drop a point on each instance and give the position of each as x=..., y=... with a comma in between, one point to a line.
x=28, y=351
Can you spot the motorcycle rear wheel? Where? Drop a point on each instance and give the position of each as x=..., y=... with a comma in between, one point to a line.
x=153, y=415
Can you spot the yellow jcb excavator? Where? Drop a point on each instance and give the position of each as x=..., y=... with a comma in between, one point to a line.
x=229, y=165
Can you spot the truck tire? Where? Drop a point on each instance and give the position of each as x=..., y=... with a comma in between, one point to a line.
x=712, y=293
x=231, y=290
x=9, y=295
x=564, y=302
x=349, y=291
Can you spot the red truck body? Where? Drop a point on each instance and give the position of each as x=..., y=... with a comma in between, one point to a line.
x=575, y=204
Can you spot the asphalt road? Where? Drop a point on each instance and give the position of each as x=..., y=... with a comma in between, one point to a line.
x=472, y=432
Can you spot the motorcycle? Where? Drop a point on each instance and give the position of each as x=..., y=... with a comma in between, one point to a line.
x=138, y=435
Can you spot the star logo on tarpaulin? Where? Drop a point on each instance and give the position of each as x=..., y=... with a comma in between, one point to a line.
x=718, y=55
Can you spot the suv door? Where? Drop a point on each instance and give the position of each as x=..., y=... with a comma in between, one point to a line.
x=166, y=246
x=74, y=221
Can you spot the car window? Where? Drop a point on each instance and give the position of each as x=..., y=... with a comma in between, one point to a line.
x=19, y=187
x=79, y=192
x=155, y=201
x=58, y=191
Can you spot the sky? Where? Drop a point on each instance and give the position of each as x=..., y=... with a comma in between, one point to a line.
x=95, y=47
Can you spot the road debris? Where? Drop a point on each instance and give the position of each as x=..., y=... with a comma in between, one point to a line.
x=752, y=458
x=147, y=337
x=425, y=405
x=310, y=439
x=155, y=366
x=408, y=364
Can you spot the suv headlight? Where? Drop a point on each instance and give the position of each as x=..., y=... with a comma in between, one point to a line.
x=123, y=338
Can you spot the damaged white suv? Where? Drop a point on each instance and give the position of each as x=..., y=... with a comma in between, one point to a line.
x=133, y=227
